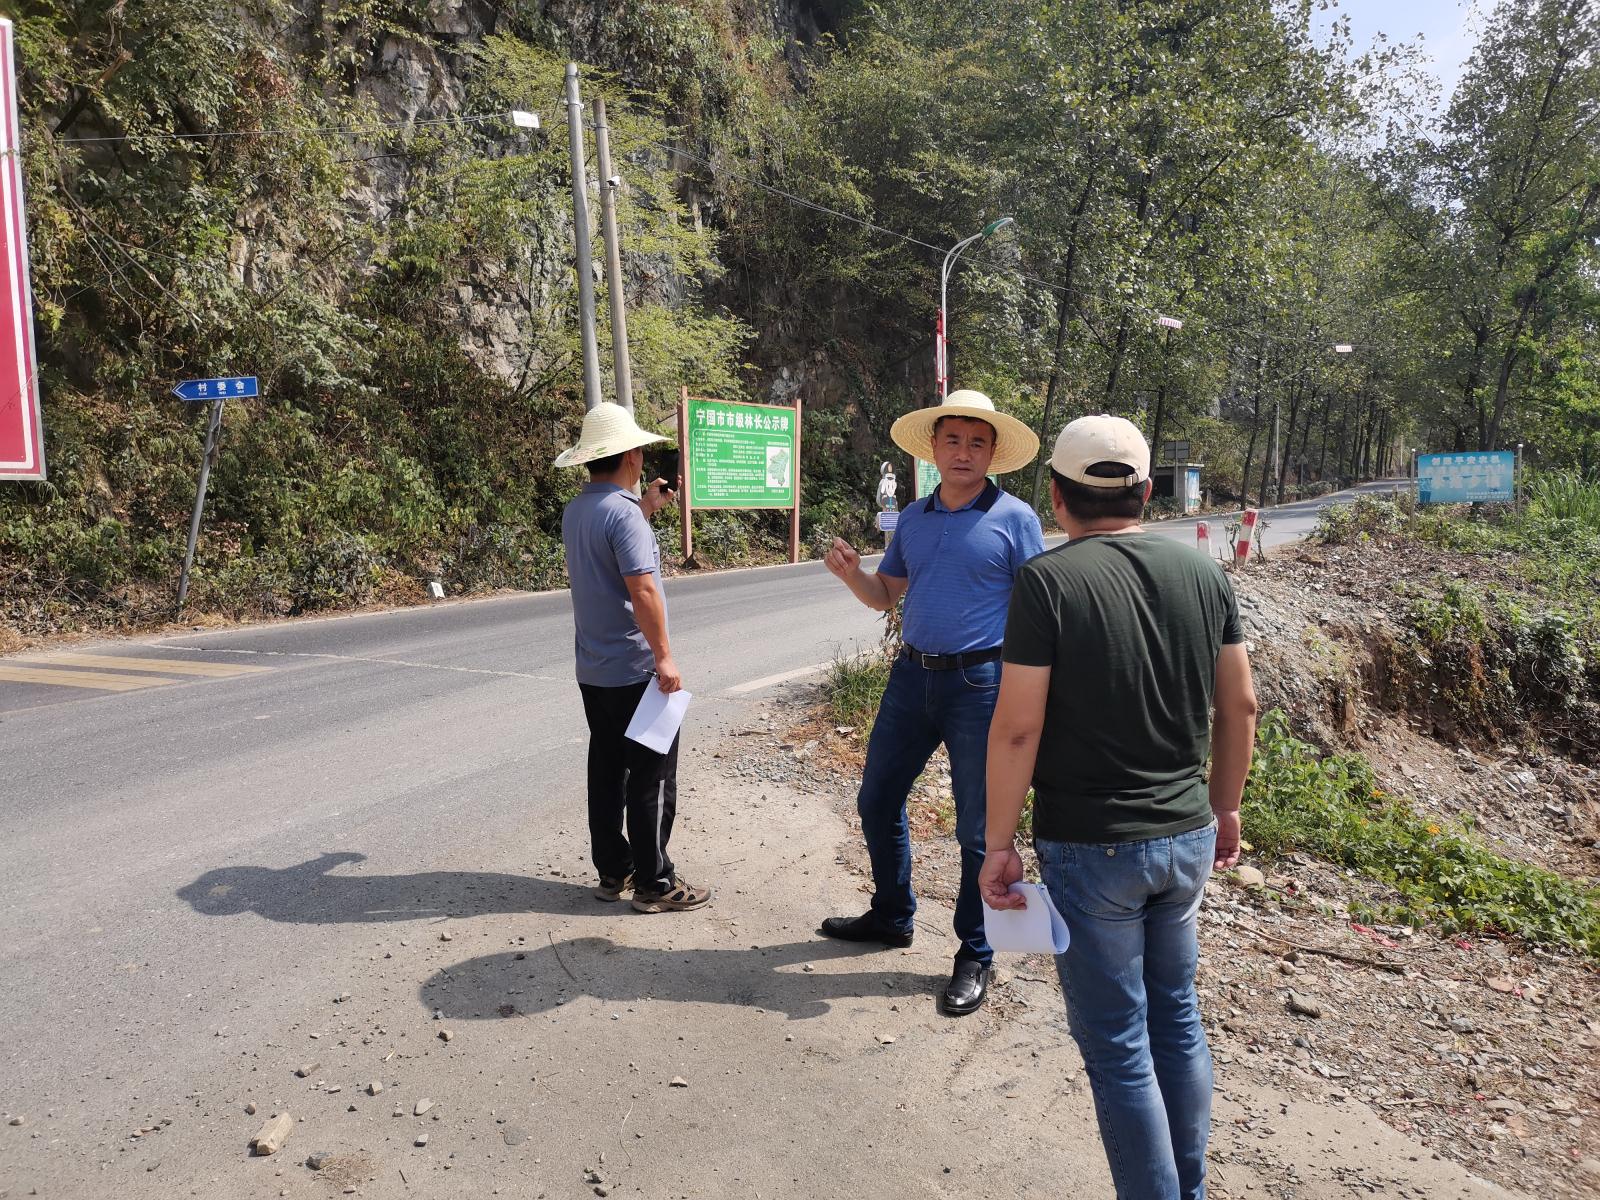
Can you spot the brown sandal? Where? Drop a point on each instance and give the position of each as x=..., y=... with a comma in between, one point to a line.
x=680, y=897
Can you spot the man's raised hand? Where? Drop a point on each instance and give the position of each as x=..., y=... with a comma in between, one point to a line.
x=657, y=496
x=842, y=558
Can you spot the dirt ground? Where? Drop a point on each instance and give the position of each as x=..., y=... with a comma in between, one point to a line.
x=1478, y=1050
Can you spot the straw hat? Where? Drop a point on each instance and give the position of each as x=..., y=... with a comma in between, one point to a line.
x=607, y=429
x=1014, y=443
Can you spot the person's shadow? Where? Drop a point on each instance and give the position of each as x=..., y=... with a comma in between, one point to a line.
x=536, y=980
x=308, y=894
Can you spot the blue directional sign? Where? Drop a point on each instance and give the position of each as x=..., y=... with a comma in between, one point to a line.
x=235, y=387
x=1466, y=478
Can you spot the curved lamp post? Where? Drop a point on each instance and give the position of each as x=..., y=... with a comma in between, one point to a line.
x=941, y=354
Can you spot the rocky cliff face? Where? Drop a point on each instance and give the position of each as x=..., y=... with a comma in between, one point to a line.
x=422, y=73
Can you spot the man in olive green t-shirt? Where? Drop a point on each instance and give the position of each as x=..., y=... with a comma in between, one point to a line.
x=1119, y=644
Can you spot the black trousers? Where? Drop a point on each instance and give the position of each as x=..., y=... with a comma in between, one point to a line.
x=631, y=788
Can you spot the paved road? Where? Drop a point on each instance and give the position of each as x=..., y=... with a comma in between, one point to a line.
x=140, y=829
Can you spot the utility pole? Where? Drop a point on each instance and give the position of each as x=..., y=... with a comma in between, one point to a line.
x=580, y=233
x=608, y=226
x=1277, y=449
x=208, y=456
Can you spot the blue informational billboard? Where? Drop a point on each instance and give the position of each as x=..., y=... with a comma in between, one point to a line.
x=1466, y=478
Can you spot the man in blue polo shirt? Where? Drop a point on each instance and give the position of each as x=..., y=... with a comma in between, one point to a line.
x=953, y=558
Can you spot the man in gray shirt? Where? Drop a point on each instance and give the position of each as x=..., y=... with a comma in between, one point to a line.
x=620, y=614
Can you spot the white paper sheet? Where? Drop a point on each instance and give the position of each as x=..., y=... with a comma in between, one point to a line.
x=657, y=719
x=1037, y=929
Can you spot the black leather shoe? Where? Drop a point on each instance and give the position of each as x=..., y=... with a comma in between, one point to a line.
x=865, y=928
x=968, y=985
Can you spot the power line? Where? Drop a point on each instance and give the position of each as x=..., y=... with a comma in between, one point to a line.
x=1049, y=285
x=478, y=119
x=380, y=127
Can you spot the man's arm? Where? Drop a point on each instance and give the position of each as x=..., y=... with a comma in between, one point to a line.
x=650, y=611
x=1233, y=735
x=877, y=591
x=1013, y=749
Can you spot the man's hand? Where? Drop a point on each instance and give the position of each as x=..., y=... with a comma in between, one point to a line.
x=1001, y=868
x=657, y=496
x=1227, y=841
x=842, y=559
x=667, y=677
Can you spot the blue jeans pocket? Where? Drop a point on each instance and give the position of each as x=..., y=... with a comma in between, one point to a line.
x=982, y=677
x=1107, y=880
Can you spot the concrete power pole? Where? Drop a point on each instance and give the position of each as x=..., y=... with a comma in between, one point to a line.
x=580, y=233
x=608, y=226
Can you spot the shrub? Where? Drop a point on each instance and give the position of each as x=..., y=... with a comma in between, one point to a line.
x=1364, y=517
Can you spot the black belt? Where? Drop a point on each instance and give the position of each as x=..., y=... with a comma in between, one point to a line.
x=948, y=662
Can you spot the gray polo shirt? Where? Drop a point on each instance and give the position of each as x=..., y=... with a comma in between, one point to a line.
x=606, y=538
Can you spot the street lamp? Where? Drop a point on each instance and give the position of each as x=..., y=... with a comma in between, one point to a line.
x=941, y=353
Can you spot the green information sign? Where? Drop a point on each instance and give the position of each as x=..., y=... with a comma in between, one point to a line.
x=741, y=455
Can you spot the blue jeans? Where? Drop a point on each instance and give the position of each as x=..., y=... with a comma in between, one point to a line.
x=920, y=709
x=1128, y=975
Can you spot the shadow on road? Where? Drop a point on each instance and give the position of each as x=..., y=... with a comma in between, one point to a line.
x=307, y=894
x=519, y=983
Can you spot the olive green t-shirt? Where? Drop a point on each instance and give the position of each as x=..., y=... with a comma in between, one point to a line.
x=1130, y=625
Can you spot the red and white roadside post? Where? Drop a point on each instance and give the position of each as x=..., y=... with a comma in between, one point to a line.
x=1202, y=537
x=1247, y=534
x=21, y=428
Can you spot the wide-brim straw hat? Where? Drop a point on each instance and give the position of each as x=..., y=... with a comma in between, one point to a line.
x=1015, y=445
x=607, y=429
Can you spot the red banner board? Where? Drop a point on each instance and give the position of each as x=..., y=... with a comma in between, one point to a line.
x=21, y=433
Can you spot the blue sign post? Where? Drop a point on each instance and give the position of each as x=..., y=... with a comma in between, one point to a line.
x=234, y=387
x=213, y=392
x=1486, y=475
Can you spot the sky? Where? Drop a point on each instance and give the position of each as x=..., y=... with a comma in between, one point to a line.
x=1449, y=30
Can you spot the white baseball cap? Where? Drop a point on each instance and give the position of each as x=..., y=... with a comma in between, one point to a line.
x=1090, y=441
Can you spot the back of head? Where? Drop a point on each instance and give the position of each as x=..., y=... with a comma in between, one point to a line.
x=1100, y=466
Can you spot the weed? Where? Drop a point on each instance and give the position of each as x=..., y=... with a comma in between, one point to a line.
x=854, y=686
x=1299, y=799
x=1566, y=496
x=1361, y=519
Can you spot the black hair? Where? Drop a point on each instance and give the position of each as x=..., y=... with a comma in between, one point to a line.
x=604, y=466
x=1086, y=503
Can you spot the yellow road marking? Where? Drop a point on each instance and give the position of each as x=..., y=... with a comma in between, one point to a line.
x=80, y=679
x=164, y=666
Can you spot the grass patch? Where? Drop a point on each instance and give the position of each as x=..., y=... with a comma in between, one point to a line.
x=1566, y=496
x=854, y=685
x=1330, y=806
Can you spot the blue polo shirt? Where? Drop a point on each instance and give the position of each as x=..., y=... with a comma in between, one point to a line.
x=959, y=566
x=606, y=537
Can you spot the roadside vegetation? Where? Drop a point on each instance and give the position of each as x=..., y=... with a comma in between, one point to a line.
x=1481, y=659
x=1299, y=799
x=346, y=214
